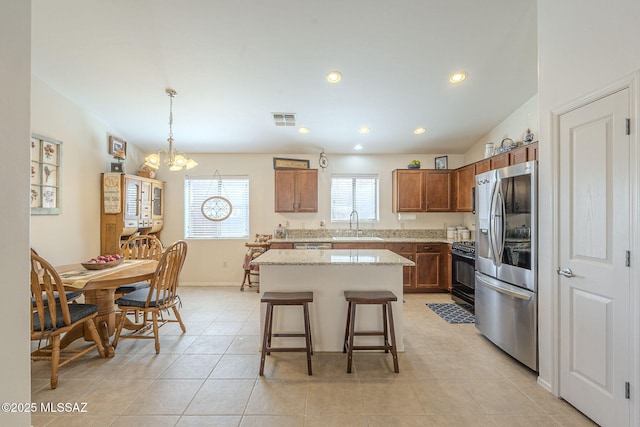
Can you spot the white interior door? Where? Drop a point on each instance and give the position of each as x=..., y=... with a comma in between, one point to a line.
x=594, y=225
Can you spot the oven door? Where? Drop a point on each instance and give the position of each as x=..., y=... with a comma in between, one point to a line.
x=463, y=278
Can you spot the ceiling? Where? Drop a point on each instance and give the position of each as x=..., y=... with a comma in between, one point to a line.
x=233, y=63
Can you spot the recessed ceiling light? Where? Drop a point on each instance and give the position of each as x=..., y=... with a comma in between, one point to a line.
x=364, y=130
x=358, y=147
x=303, y=130
x=458, y=77
x=334, y=76
x=419, y=131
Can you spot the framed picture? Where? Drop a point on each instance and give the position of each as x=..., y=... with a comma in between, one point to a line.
x=279, y=163
x=46, y=163
x=117, y=147
x=441, y=162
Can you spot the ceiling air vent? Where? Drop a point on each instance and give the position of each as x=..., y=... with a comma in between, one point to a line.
x=284, y=119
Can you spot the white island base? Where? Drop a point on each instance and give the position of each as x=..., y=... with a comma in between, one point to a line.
x=328, y=273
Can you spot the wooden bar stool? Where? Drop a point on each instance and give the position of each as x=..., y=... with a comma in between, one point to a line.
x=286, y=298
x=383, y=298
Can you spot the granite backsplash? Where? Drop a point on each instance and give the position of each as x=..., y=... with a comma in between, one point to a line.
x=294, y=233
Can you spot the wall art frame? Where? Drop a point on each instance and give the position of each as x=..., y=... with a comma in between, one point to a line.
x=442, y=162
x=117, y=147
x=46, y=175
x=280, y=163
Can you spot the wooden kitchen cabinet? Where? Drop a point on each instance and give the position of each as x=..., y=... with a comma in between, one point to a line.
x=296, y=190
x=464, y=181
x=438, y=190
x=421, y=190
x=532, y=152
x=500, y=161
x=446, y=267
x=483, y=166
x=408, y=190
x=406, y=250
x=129, y=204
x=518, y=155
x=428, y=266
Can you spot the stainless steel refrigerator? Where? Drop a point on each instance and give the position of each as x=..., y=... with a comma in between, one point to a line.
x=506, y=306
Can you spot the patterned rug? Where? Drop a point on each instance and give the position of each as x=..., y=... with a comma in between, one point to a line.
x=452, y=313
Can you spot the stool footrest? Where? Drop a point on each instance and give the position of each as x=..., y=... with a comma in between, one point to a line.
x=272, y=349
x=289, y=335
x=371, y=347
x=368, y=333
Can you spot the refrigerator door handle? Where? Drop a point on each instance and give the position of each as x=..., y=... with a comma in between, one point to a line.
x=486, y=281
x=493, y=225
x=500, y=234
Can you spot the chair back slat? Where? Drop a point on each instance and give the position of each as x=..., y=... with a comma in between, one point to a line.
x=46, y=281
x=142, y=247
x=164, y=284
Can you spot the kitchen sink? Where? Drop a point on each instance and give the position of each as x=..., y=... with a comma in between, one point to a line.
x=357, y=239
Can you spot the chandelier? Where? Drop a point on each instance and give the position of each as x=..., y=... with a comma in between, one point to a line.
x=174, y=160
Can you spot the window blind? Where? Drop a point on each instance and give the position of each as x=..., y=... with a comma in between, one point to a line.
x=354, y=192
x=199, y=188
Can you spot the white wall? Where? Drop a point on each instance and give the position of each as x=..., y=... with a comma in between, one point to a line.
x=15, y=33
x=206, y=259
x=74, y=235
x=582, y=47
x=514, y=127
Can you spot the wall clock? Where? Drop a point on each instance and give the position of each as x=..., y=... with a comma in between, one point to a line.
x=323, y=161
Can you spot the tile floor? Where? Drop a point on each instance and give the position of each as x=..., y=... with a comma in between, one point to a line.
x=449, y=376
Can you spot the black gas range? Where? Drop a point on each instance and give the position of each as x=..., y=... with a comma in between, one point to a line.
x=463, y=273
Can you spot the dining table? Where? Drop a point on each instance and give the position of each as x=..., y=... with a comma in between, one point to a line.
x=98, y=287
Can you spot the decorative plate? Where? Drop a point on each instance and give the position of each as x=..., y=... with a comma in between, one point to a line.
x=216, y=208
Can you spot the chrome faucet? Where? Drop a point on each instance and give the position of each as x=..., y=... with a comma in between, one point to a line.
x=354, y=213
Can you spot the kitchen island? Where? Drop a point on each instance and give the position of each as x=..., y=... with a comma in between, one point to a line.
x=328, y=273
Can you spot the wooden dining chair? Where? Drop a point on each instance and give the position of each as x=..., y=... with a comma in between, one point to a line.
x=72, y=296
x=158, y=298
x=142, y=246
x=50, y=321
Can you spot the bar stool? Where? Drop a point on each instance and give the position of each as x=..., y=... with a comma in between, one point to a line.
x=286, y=298
x=383, y=298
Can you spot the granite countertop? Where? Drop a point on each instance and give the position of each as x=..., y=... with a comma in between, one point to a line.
x=370, y=257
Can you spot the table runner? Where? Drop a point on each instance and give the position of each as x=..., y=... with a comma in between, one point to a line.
x=79, y=277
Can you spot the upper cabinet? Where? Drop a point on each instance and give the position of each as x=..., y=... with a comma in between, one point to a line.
x=438, y=190
x=296, y=190
x=415, y=190
x=408, y=190
x=500, y=161
x=464, y=182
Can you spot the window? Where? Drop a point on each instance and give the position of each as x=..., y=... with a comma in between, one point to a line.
x=197, y=189
x=354, y=192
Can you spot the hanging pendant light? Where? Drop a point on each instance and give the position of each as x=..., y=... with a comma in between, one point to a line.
x=175, y=161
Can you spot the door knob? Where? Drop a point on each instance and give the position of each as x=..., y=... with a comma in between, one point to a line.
x=566, y=272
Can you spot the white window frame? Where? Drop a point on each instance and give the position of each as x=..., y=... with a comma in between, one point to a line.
x=374, y=204
x=235, y=188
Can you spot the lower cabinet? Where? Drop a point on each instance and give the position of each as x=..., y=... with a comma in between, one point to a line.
x=407, y=250
x=430, y=272
x=428, y=258
x=446, y=267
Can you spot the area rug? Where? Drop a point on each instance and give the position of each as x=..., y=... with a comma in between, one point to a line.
x=452, y=313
